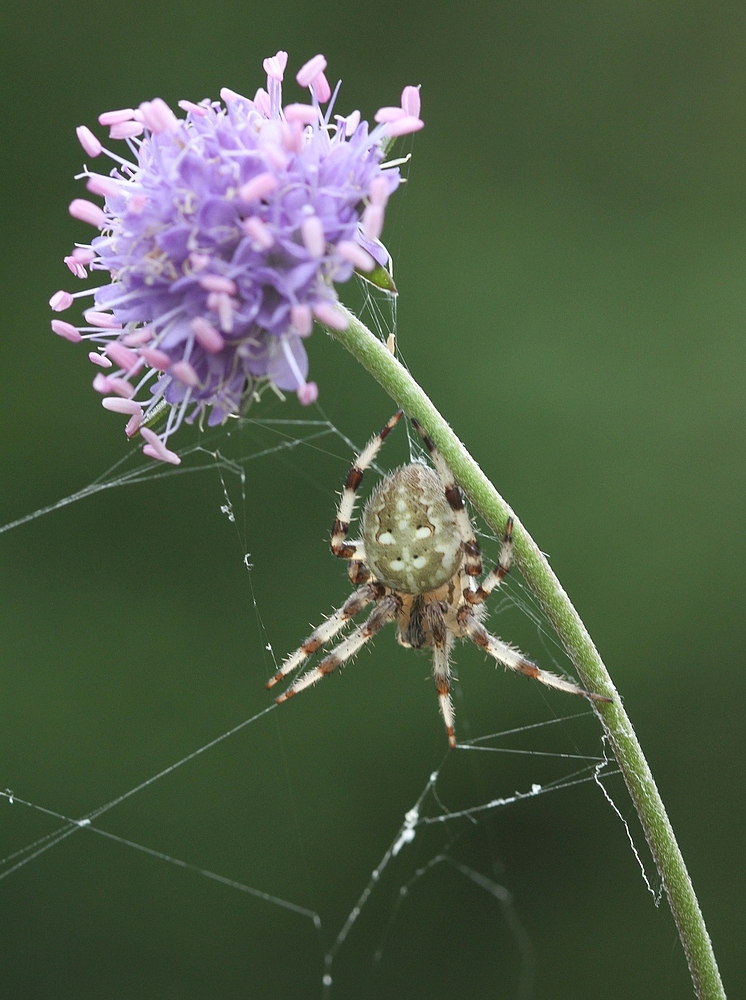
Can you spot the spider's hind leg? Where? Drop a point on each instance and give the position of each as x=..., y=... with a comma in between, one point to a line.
x=513, y=659
x=321, y=635
x=385, y=611
x=442, y=641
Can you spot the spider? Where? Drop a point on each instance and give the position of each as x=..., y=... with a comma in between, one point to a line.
x=418, y=563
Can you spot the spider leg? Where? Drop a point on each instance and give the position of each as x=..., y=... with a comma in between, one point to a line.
x=442, y=642
x=496, y=575
x=385, y=611
x=334, y=624
x=513, y=659
x=357, y=571
x=472, y=552
x=353, y=550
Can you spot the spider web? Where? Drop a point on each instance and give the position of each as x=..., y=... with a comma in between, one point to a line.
x=437, y=822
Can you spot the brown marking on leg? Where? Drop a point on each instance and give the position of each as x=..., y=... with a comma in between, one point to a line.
x=358, y=572
x=454, y=498
x=354, y=478
x=429, y=443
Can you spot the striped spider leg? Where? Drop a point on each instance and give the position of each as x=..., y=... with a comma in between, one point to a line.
x=469, y=612
x=417, y=561
x=368, y=592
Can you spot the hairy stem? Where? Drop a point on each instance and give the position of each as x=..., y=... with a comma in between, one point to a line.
x=399, y=384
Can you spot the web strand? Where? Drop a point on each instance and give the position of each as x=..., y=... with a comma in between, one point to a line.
x=321, y=436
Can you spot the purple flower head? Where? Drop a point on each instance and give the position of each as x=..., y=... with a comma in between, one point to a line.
x=223, y=239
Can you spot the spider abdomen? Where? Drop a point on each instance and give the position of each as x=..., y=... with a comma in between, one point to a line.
x=410, y=533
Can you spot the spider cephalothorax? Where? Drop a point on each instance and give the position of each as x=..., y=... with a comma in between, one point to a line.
x=417, y=561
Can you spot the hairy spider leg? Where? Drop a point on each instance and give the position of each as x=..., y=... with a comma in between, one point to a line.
x=472, y=552
x=354, y=550
x=498, y=573
x=385, y=611
x=514, y=660
x=334, y=624
x=442, y=643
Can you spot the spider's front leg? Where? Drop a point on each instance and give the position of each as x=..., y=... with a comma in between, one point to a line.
x=340, y=547
x=472, y=552
x=496, y=575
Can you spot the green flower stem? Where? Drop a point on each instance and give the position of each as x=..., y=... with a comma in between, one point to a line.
x=399, y=384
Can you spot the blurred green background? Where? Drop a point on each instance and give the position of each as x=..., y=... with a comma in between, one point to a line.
x=571, y=257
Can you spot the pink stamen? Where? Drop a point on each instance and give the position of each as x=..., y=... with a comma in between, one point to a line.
x=99, y=359
x=274, y=66
x=86, y=211
x=163, y=456
x=312, y=232
x=310, y=70
x=106, y=384
x=155, y=358
x=126, y=130
x=116, y=117
x=88, y=141
x=389, y=114
x=184, y=372
x=118, y=405
x=222, y=304
x=78, y=259
x=321, y=88
x=307, y=114
x=258, y=187
x=263, y=103
x=155, y=448
x=372, y=221
x=410, y=101
x=196, y=109
x=84, y=254
x=120, y=386
x=404, y=126
x=207, y=336
x=275, y=156
x=259, y=232
x=292, y=136
x=105, y=321
x=133, y=424
x=308, y=393
x=76, y=267
x=66, y=330
x=107, y=187
x=157, y=116
x=138, y=337
x=217, y=283
x=379, y=192
x=229, y=95
x=351, y=123
x=199, y=261
x=123, y=357
x=329, y=316
x=302, y=319
x=61, y=300
x=356, y=255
